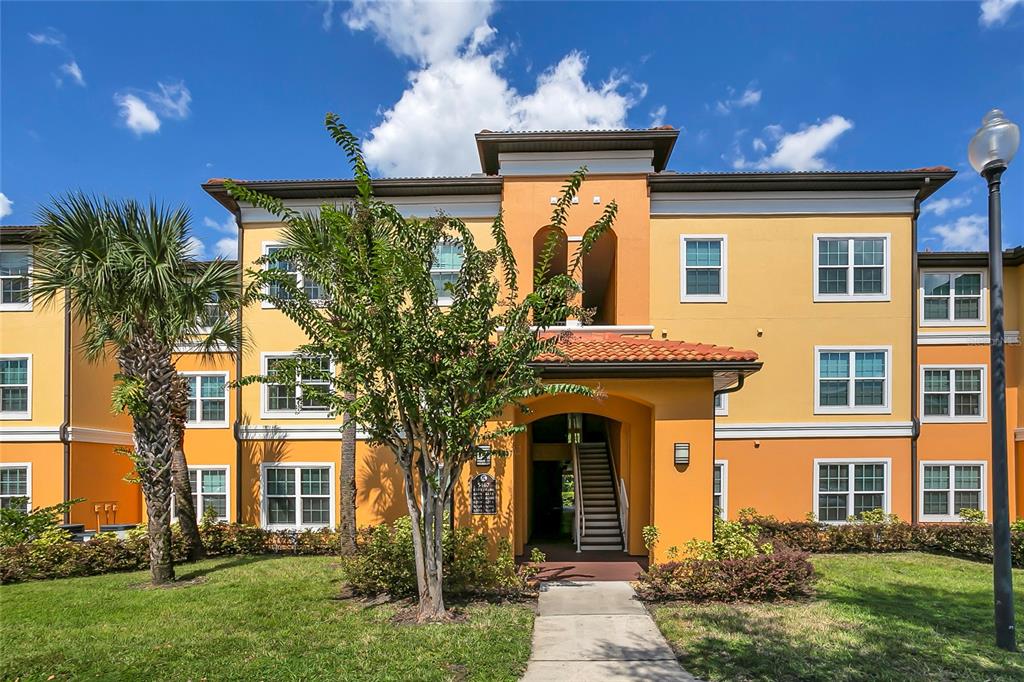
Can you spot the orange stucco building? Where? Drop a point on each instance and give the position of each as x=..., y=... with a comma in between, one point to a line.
x=766, y=340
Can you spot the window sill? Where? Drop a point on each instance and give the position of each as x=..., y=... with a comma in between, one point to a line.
x=852, y=410
x=977, y=324
x=943, y=518
x=703, y=299
x=16, y=416
x=852, y=298
x=954, y=420
x=271, y=415
x=207, y=425
x=15, y=307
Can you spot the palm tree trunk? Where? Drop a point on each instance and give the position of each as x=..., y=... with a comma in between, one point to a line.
x=347, y=527
x=183, y=506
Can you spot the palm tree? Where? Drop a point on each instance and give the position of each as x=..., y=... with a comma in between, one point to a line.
x=131, y=280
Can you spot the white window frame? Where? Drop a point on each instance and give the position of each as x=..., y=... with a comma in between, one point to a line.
x=885, y=408
x=200, y=424
x=851, y=462
x=447, y=300
x=952, y=418
x=723, y=509
x=27, y=305
x=949, y=321
x=299, y=277
x=723, y=269
x=851, y=297
x=27, y=414
x=297, y=466
x=28, y=479
x=723, y=409
x=951, y=517
x=199, y=494
x=266, y=413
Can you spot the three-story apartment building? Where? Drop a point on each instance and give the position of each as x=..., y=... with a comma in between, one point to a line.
x=862, y=383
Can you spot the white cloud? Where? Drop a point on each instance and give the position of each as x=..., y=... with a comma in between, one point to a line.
x=5, y=206
x=748, y=98
x=941, y=207
x=658, y=116
x=759, y=145
x=173, y=100
x=996, y=12
x=195, y=247
x=227, y=248
x=801, y=150
x=966, y=233
x=139, y=118
x=459, y=89
x=74, y=71
x=50, y=36
x=229, y=226
x=327, y=21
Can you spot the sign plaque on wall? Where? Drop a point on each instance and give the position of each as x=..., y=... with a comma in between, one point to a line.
x=483, y=496
x=483, y=455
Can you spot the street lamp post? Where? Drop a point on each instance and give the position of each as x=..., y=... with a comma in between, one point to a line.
x=990, y=152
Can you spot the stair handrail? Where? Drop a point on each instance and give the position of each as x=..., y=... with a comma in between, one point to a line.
x=620, y=490
x=577, y=489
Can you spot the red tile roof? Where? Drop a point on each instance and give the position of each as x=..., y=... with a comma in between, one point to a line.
x=611, y=347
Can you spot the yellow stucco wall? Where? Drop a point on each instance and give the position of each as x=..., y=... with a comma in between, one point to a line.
x=46, y=462
x=39, y=333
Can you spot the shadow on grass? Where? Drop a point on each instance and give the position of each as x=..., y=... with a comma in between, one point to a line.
x=203, y=571
x=909, y=633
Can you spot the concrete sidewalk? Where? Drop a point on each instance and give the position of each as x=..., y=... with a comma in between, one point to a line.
x=596, y=631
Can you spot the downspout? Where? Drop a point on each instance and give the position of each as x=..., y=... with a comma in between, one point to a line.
x=65, y=426
x=740, y=379
x=915, y=429
x=237, y=429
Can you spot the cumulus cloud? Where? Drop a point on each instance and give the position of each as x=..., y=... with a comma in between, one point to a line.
x=750, y=97
x=944, y=205
x=72, y=70
x=5, y=206
x=195, y=247
x=996, y=12
x=172, y=100
x=459, y=89
x=228, y=226
x=658, y=116
x=966, y=233
x=139, y=118
x=797, y=151
x=226, y=248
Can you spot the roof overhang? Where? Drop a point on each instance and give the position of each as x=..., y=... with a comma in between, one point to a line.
x=724, y=372
x=659, y=140
x=974, y=259
x=18, y=234
x=924, y=181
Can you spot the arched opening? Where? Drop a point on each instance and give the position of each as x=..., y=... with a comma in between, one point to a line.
x=559, y=263
x=599, y=279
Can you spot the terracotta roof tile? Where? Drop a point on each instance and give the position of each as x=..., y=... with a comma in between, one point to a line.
x=611, y=347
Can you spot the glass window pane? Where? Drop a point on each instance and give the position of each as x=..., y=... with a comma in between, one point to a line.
x=869, y=502
x=967, y=405
x=834, y=393
x=280, y=481
x=14, y=481
x=192, y=381
x=703, y=282
x=717, y=487
x=215, y=481
x=936, y=503
x=20, y=503
x=968, y=379
x=316, y=510
x=192, y=480
x=936, y=477
x=833, y=478
x=936, y=404
x=213, y=410
x=968, y=477
x=966, y=500
x=704, y=253
x=870, y=393
x=935, y=284
x=868, y=251
x=281, y=510
x=218, y=503
x=316, y=482
x=212, y=387
x=968, y=284
x=869, y=477
x=936, y=380
x=14, y=371
x=280, y=397
x=867, y=281
x=834, y=365
x=936, y=308
x=448, y=256
x=832, y=508
x=440, y=279
x=13, y=399
x=14, y=290
x=13, y=263
x=870, y=364
x=833, y=252
x=967, y=309
x=832, y=280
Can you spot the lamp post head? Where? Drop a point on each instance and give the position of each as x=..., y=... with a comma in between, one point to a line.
x=995, y=143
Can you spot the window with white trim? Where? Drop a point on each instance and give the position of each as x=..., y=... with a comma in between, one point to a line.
x=851, y=268
x=947, y=488
x=14, y=487
x=448, y=259
x=719, y=496
x=852, y=381
x=954, y=394
x=704, y=268
x=15, y=386
x=952, y=298
x=207, y=399
x=721, y=404
x=298, y=496
x=15, y=274
x=209, y=491
x=297, y=399
x=848, y=489
x=309, y=286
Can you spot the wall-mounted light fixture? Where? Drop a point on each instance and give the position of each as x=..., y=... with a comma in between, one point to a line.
x=682, y=453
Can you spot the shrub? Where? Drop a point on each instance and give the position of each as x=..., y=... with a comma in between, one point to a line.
x=760, y=577
x=732, y=540
x=383, y=563
x=17, y=526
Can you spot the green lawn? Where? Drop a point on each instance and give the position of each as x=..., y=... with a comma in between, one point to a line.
x=251, y=618
x=876, y=617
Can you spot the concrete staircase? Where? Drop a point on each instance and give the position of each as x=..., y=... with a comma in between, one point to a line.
x=601, y=530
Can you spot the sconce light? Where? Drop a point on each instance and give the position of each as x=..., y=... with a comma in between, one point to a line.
x=682, y=453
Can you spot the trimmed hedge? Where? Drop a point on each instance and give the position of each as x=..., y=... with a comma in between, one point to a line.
x=762, y=577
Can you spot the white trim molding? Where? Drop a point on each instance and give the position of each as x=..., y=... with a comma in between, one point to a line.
x=266, y=413
x=609, y=161
x=296, y=466
x=201, y=424
x=724, y=508
x=723, y=269
x=850, y=296
x=24, y=415
x=851, y=379
x=851, y=492
x=455, y=206
x=783, y=203
x=950, y=492
x=863, y=429
x=952, y=418
x=29, y=434
x=949, y=321
x=310, y=432
x=963, y=338
x=85, y=434
x=721, y=408
x=199, y=469
x=1018, y=435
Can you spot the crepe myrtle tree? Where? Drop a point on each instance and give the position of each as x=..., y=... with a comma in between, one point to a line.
x=423, y=378
x=129, y=276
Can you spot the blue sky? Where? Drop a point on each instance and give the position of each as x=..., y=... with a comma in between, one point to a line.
x=151, y=99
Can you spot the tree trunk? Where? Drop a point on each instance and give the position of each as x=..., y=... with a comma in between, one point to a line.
x=427, y=527
x=347, y=527
x=148, y=362
x=183, y=506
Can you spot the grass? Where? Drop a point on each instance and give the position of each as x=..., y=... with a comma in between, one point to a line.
x=876, y=617
x=250, y=618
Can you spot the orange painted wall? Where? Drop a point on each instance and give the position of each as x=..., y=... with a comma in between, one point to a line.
x=47, y=469
x=97, y=474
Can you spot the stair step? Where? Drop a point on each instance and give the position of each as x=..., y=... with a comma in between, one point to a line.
x=602, y=523
x=603, y=516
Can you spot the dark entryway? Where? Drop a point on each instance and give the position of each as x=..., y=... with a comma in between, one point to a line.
x=548, y=512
